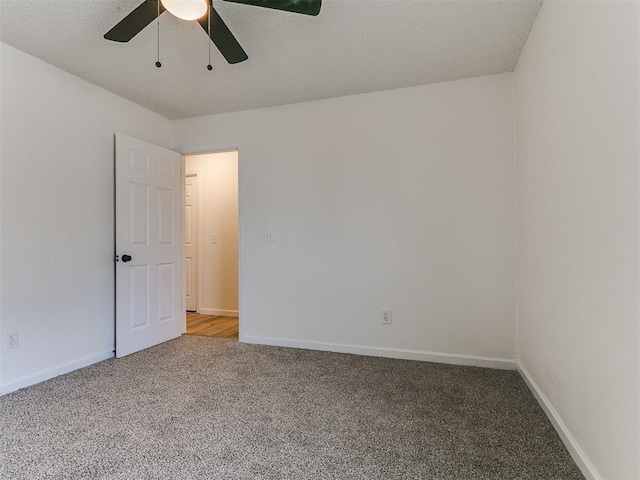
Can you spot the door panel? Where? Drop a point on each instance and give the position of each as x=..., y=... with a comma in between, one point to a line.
x=139, y=297
x=165, y=291
x=139, y=214
x=165, y=217
x=149, y=229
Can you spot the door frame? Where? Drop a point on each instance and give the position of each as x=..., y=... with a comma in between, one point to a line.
x=204, y=150
x=193, y=173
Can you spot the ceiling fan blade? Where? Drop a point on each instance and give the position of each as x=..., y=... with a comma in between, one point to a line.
x=308, y=7
x=133, y=23
x=223, y=38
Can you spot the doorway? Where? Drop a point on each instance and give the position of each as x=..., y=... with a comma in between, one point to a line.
x=211, y=244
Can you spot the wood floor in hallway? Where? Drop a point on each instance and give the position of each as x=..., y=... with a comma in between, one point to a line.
x=212, y=326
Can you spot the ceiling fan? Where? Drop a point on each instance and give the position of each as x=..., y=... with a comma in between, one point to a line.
x=217, y=30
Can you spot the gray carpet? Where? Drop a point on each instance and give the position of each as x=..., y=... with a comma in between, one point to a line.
x=199, y=407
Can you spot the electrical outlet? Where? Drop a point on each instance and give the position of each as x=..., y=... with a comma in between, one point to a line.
x=12, y=340
x=386, y=317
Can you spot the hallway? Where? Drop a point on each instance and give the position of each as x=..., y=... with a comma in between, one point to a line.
x=212, y=326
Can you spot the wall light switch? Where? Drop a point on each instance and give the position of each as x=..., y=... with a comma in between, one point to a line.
x=214, y=238
x=270, y=236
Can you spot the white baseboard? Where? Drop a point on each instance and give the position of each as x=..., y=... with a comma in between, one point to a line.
x=578, y=455
x=48, y=373
x=213, y=311
x=453, y=359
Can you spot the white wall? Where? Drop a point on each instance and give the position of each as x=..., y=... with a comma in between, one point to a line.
x=402, y=199
x=577, y=130
x=218, y=215
x=57, y=243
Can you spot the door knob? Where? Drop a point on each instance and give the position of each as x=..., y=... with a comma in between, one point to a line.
x=126, y=258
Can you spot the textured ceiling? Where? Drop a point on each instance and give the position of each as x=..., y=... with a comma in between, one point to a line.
x=353, y=46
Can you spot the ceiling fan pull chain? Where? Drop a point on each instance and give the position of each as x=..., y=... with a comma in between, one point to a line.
x=158, y=64
x=209, y=67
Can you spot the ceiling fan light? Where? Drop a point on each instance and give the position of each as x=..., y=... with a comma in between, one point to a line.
x=186, y=9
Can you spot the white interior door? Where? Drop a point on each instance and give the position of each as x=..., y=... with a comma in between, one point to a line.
x=149, y=245
x=191, y=241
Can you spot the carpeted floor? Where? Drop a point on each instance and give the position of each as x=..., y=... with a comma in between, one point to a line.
x=207, y=408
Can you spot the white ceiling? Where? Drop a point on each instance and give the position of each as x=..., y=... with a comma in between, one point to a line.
x=353, y=46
